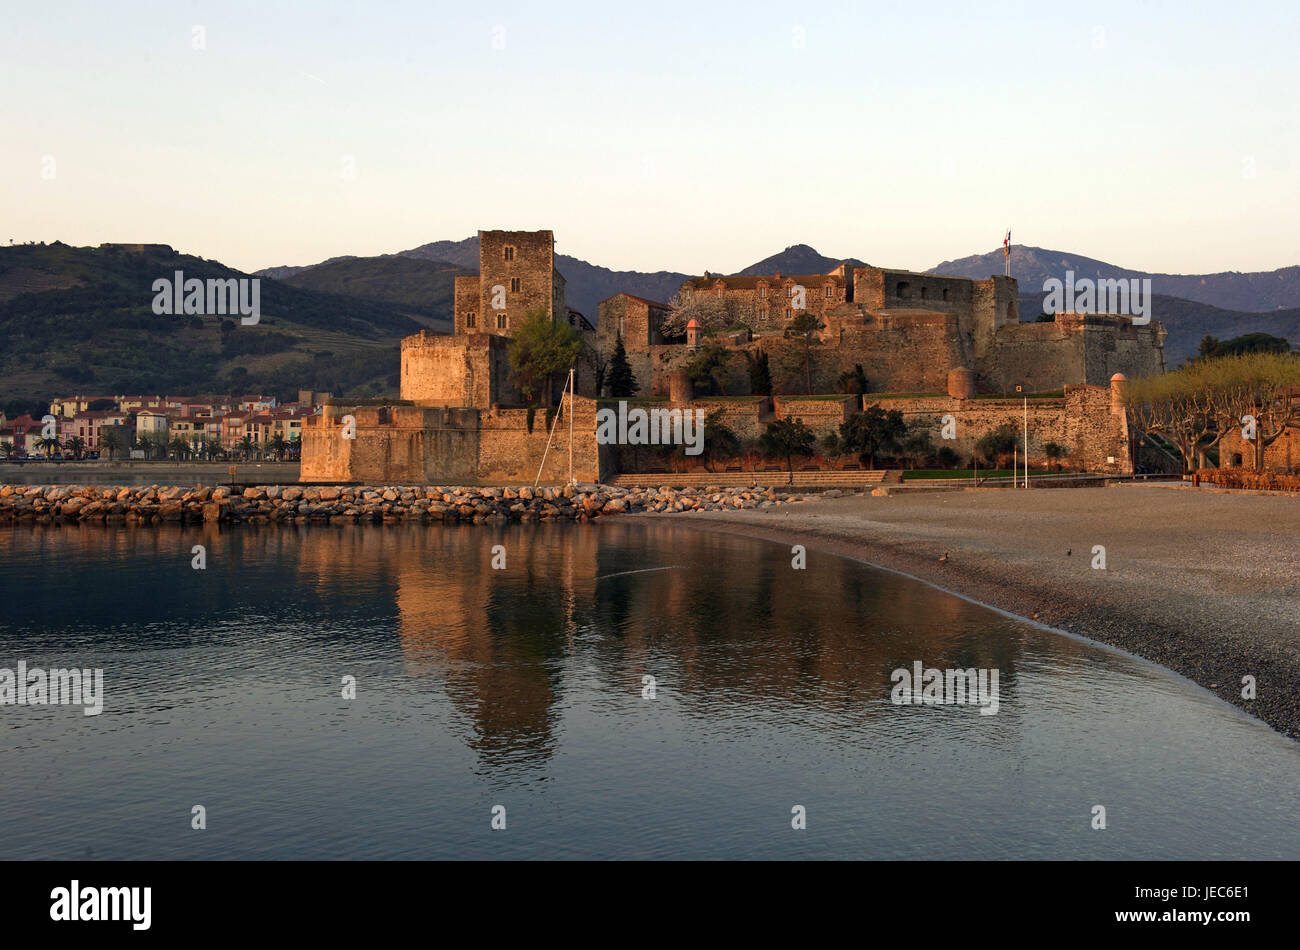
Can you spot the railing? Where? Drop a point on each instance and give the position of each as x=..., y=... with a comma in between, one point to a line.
x=1243, y=478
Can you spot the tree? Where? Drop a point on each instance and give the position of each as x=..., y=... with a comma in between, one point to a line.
x=100, y=405
x=760, y=373
x=947, y=457
x=77, y=446
x=278, y=445
x=711, y=313
x=622, y=382
x=1055, y=452
x=852, y=382
x=598, y=361
x=804, y=328
x=111, y=439
x=720, y=440
x=871, y=432
x=1194, y=407
x=711, y=369
x=995, y=446
x=786, y=438
x=539, y=349
x=47, y=445
x=246, y=446
x=919, y=448
x=179, y=447
x=6, y=447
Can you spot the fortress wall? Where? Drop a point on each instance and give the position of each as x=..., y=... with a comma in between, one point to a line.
x=469, y=370
x=414, y=445
x=1094, y=432
x=823, y=416
x=1135, y=351
x=1082, y=421
x=975, y=418
x=509, y=452
x=1041, y=357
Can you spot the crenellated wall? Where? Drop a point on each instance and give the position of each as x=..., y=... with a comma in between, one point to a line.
x=405, y=444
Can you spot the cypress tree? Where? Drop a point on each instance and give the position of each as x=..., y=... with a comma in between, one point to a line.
x=622, y=383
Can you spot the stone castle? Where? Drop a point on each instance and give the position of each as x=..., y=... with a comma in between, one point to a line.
x=944, y=340
x=911, y=333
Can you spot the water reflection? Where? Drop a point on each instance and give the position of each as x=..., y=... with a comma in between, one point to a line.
x=525, y=683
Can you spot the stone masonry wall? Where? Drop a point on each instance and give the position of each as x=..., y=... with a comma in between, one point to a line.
x=424, y=445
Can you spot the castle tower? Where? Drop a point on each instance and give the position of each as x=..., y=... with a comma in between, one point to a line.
x=516, y=274
x=693, y=333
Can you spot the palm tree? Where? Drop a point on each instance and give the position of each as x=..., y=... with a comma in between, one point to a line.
x=180, y=447
x=47, y=445
x=246, y=446
x=145, y=441
x=6, y=448
x=77, y=446
x=111, y=440
x=278, y=445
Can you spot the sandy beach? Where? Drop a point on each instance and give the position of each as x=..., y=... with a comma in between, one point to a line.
x=1204, y=583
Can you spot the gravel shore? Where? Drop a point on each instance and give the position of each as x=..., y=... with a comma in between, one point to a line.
x=1204, y=583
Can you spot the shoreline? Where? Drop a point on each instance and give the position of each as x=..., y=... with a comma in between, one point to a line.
x=1243, y=621
x=1204, y=584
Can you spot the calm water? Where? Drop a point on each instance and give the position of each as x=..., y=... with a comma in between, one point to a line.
x=522, y=687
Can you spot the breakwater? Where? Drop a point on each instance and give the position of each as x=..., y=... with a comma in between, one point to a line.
x=262, y=504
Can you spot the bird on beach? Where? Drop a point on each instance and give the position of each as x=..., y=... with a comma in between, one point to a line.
x=944, y=559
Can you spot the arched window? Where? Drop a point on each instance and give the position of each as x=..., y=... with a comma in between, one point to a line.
x=903, y=290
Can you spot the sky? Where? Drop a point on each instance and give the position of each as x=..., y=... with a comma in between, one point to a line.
x=1161, y=136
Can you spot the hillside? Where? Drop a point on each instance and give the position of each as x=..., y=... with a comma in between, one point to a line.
x=81, y=320
x=425, y=287
x=1261, y=291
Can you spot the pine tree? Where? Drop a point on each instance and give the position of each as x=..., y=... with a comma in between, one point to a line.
x=622, y=383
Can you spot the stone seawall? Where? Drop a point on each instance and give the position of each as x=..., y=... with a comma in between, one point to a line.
x=294, y=504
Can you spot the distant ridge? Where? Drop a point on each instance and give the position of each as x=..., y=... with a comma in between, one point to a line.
x=1230, y=290
x=798, y=259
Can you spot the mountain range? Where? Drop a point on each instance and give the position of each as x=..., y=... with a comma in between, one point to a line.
x=79, y=319
x=587, y=284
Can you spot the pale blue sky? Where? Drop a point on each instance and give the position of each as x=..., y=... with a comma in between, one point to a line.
x=682, y=136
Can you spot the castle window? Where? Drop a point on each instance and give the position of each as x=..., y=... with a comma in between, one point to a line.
x=830, y=291
x=903, y=290
x=925, y=293
x=470, y=319
x=762, y=292
x=787, y=313
x=620, y=324
x=762, y=313
x=789, y=292
x=501, y=320
x=717, y=292
x=514, y=284
x=508, y=253
x=945, y=293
